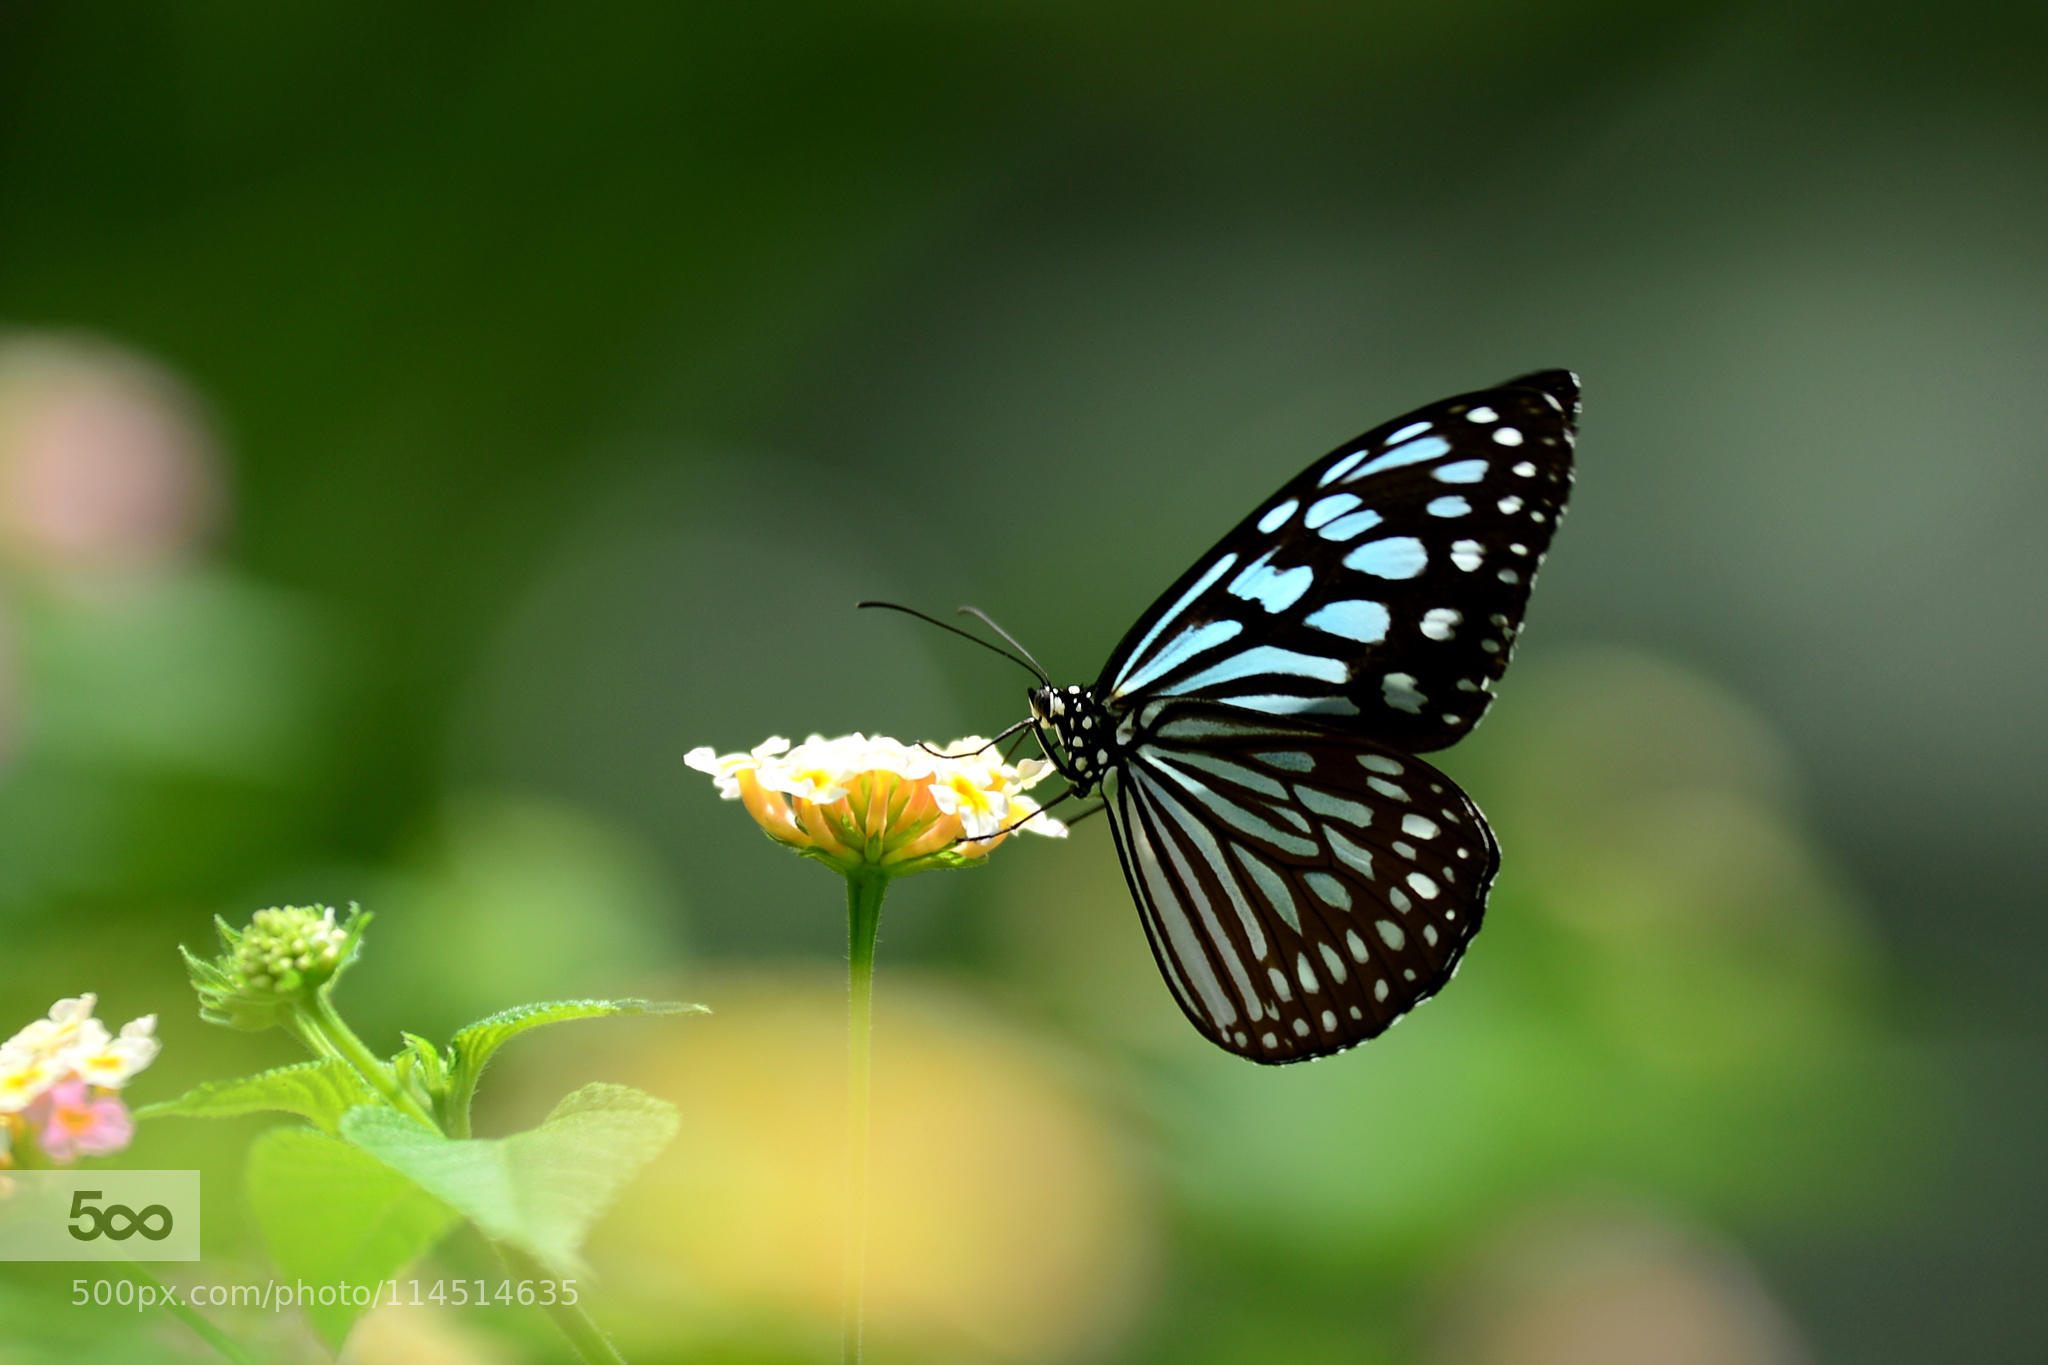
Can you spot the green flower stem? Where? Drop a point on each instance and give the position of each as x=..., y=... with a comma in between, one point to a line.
x=319, y=1018
x=585, y=1336
x=865, y=888
x=175, y=1305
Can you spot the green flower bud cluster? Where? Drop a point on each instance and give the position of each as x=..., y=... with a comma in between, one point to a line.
x=287, y=949
x=276, y=967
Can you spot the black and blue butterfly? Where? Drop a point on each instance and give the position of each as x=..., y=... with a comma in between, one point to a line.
x=1303, y=877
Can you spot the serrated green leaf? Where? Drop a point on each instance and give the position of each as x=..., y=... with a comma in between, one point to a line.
x=331, y=1213
x=320, y=1091
x=539, y=1190
x=473, y=1046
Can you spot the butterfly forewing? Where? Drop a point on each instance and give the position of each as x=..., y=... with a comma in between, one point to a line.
x=1302, y=888
x=1381, y=591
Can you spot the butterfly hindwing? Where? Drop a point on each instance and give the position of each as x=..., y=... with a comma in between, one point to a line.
x=1380, y=591
x=1302, y=888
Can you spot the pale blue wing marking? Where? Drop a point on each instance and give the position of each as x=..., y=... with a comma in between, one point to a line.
x=1393, y=557
x=1183, y=647
x=1263, y=659
x=1170, y=917
x=1232, y=813
x=1276, y=517
x=1278, y=704
x=1412, y=452
x=1365, y=622
x=1274, y=589
x=1218, y=767
x=1342, y=467
x=1349, y=527
x=1222, y=566
x=1277, y=895
x=1324, y=509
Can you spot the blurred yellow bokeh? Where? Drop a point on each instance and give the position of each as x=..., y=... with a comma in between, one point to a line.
x=1011, y=1219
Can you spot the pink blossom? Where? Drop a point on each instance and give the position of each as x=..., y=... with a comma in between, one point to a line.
x=74, y=1123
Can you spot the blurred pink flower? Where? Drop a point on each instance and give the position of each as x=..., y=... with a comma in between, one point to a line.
x=75, y=1123
x=105, y=461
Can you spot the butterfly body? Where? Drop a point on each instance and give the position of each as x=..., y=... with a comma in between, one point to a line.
x=1303, y=877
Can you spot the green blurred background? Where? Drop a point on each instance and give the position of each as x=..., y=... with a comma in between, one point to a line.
x=419, y=425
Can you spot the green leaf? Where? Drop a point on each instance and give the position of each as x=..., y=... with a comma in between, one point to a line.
x=331, y=1213
x=474, y=1045
x=321, y=1091
x=420, y=1063
x=539, y=1190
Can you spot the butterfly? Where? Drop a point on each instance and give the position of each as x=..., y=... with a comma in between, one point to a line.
x=1304, y=878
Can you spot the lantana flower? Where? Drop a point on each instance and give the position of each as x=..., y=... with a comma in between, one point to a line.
x=873, y=802
x=877, y=809
x=71, y=1120
x=60, y=1079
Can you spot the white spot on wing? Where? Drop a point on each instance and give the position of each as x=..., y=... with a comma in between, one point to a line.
x=1401, y=693
x=1438, y=623
x=1329, y=890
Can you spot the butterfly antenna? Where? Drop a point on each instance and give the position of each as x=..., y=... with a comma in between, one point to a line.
x=978, y=614
x=1028, y=664
x=941, y=753
x=1013, y=828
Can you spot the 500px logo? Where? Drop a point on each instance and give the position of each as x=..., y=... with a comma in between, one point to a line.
x=117, y=1221
x=100, y=1216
